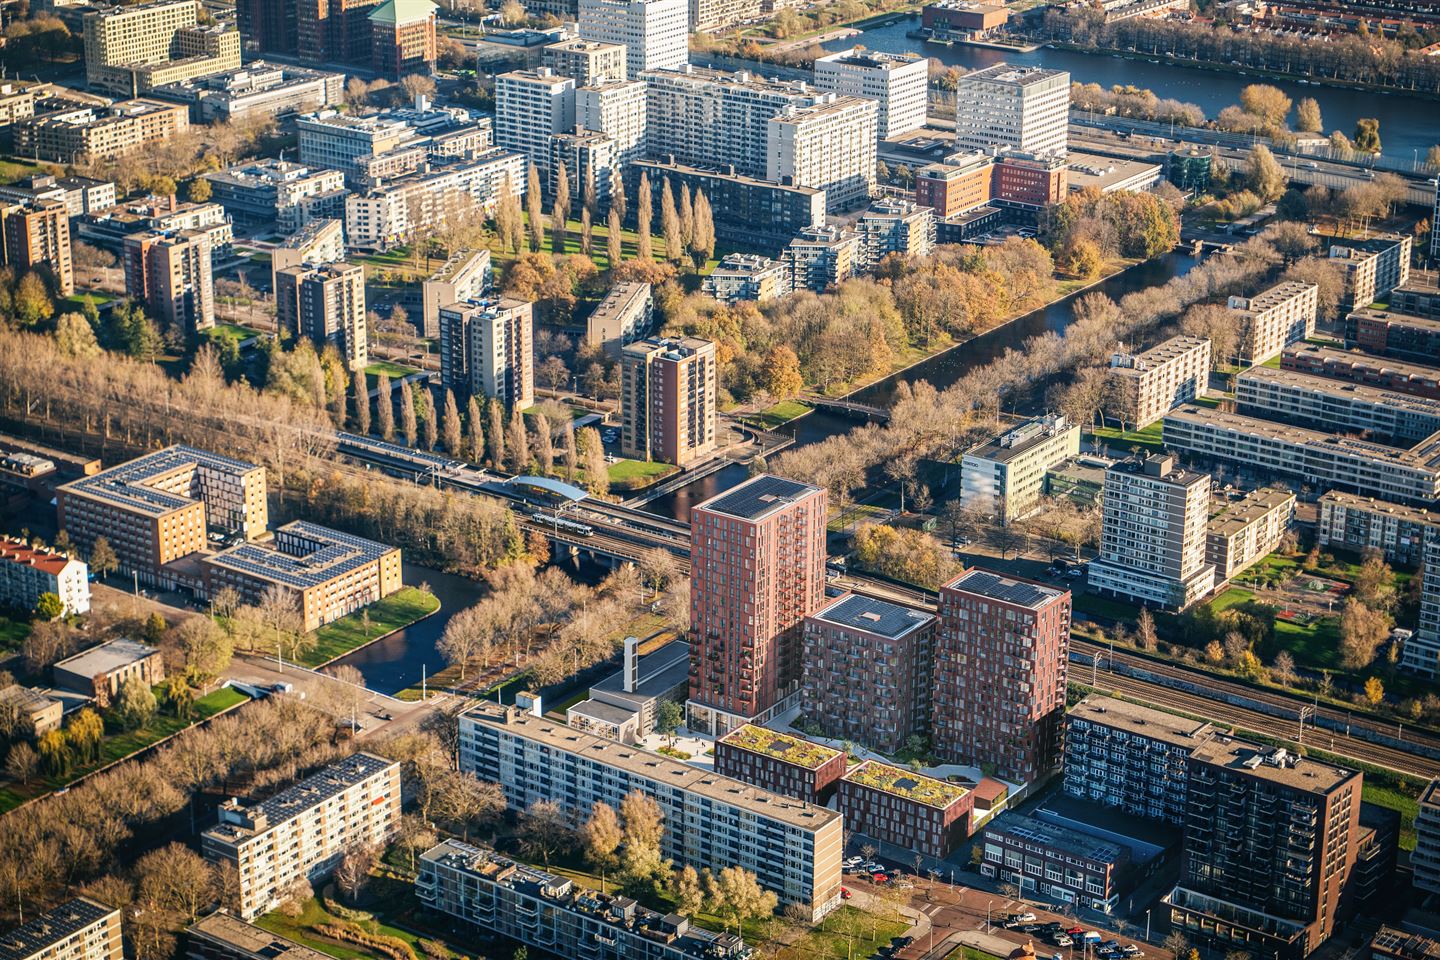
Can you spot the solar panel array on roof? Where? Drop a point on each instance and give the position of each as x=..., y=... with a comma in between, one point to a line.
x=303, y=555
x=872, y=615
x=319, y=787
x=757, y=497
x=1004, y=589
x=128, y=485
x=51, y=928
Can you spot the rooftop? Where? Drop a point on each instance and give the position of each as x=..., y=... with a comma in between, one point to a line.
x=1425, y=456
x=1161, y=468
x=660, y=671
x=1318, y=353
x=1017, y=440
x=1272, y=297
x=1398, y=511
x=1106, y=173
x=602, y=711
x=461, y=261
x=902, y=783
x=1378, y=396
x=131, y=485
x=403, y=11
x=872, y=59
x=1142, y=720
x=622, y=298
x=1017, y=76
x=1062, y=839
x=50, y=928
x=106, y=657
x=653, y=767
x=759, y=497
x=1273, y=764
x=300, y=797
x=18, y=551
x=1430, y=797
x=726, y=174
x=1012, y=590
x=24, y=699
x=1134, y=364
x=781, y=746
x=1401, y=943
x=303, y=554
x=1255, y=506
x=250, y=939
x=1394, y=319
x=872, y=615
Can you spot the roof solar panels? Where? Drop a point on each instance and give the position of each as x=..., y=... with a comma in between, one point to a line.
x=996, y=587
x=760, y=496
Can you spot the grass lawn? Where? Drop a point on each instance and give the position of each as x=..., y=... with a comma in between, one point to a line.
x=832, y=939
x=391, y=369
x=1232, y=597
x=1312, y=645
x=96, y=300
x=560, y=708
x=1212, y=402
x=855, y=513
x=1406, y=803
x=633, y=474
x=1150, y=438
x=969, y=953
x=301, y=929
x=12, y=171
x=1273, y=363
x=386, y=616
x=229, y=331
x=782, y=412
x=12, y=634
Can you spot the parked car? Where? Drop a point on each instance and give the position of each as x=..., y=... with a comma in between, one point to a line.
x=853, y=861
x=845, y=893
x=900, y=943
x=1075, y=931
x=1061, y=940
x=880, y=877
x=1025, y=917
x=1132, y=951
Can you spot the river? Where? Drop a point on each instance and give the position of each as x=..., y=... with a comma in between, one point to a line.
x=1407, y=124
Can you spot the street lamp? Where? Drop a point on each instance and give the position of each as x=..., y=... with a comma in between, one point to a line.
x=987, y=915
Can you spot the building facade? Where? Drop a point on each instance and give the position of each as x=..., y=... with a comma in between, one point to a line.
x=900, y=227
x=99, y=133
x=819, y=258
x=402, y=37
x=624, y=316
x=655, y=33
x=326, y=305
x=616, y=109
x=465, y=276
x=909, y=810
x=829, y=146
x=1274, y=319
x=172, y=274
x=1054, y=861
x=1006, y=476
x=486, y=350
x=780, y=763
x=1150, y=384
x=129, y=50
x=1246, y=532
x=1417, y=380
x=899, y=83
x=290, y=194
x=37, y=237
x=1425, y=859
x=587, y=62
x=26, y=573
x=1421, y=653
x=531, y=107
x=668, y=399
x=103, y=670
x=1023, y=108
x=1392, y=334
x=745, y=210
x=1352, y=522
x=1325, y=404
x=957, y=186
x=78, y=929
x=1371, y=267
x=746, y=276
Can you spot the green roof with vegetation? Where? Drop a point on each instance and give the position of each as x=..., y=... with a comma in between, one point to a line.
x=782, y=746
x=904, y=783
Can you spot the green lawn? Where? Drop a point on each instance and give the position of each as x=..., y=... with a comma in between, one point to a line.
x=386, y=616
x=782, y=413
x=633, y=474
x=301, y=930
x=229, y=331
x=1312, y=645
x=831, y=940
x=855, y=513
x=1150, y=438
x=12, y=171
x=391, y=369
x=1400, y=800
x=969, y=953
x=12, y=634
x=1232, y=597
x=1273, y=363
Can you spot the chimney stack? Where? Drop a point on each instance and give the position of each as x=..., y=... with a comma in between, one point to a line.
x=632, y=664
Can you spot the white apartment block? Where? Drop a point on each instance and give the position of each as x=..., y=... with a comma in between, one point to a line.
x=1426, y=858
x=829, y=146
x=1371, y=267
x=895, y=226
x=79, y=929
x=656, y=33
x=1150, y=384
x=26, y=573
x=1246, y=532
x=335, y=140
x=719, y=14
x=1421, y=655
x=1152, y=542
x=486, y=350
x=465, y=276
x=304, y=831
x=1006, y=476
x=898, y=82
x=586, y=62
x=389, y=214
x=1023, y=108
x=1339, y=406
x=1271, y=321
x=793, y=847
x=618, y=111
x=531, y=106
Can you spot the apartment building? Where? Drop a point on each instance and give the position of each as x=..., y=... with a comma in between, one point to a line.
x=586, y=157
x=32, y=713
x=402, y=37
x=78, y=929
x=829, y=145
x=333, y=31
x=624, y=316
x=37, y=237
x=1006, y=476
x=161, y=506
x=1054, y=861
x=615, y=108
x=336, y=141
x=258, y=89
x=1274, y=319
x=895, y=226
x=486, y=350
x=1131, y=757
x=1398, y=376
x=465, y=276
x=1152, y=542
x=1023, y=108
x=780, y=763
x=868, y=668
x=318, y=242
x=287, y=193
x=757, y=555
x=898, y=82
x=172, y=274
x=1151, y=383
x=1272, y=887
x=819, y=258
x=531, y=106
x=221, y=936
x=329, y=574
x=668, y=399
x=78, y=195
x=1425, y=859
x=999, y=683
x=17, y=102
x=1247, y=531
x=654, y=33
x=325, y=304
x=720, y=14
x=1359, y=523
x=1420, y=298
x=549, y=912
x=1371, y=267
x=793, y=847
x=88, y=134
x=587, y=62
x=906, y=809
x=129, y=50
x=27, y=572
x=103, y=670
x=959, y=185
x=449, y=191
x=1312, y=456
x=746, y=210
x=746, y=276
x=1390, y=333
x=1421, y=653
x=109, y=227
x=1322, y=403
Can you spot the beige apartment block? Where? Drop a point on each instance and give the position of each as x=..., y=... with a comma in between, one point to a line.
x=129, y=50
x=667, y=399
x=486, y=350
x=326, y=305
x=37, y=236
x=1006, y=476
x=171, y=273
x=79, y=929
x=99, y=133
x=464, y=276
x=1274, y=319
x=1244, y=533
x=621, y=318
x=587, y=62
x=1152, y=383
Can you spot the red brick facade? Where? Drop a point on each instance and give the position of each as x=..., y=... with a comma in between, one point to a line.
x=898, y=817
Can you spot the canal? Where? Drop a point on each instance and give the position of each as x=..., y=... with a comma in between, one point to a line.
x=1407, y=124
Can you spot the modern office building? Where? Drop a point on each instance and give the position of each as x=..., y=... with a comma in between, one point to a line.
x=129, y=50
x=959, y=185
x=303, y=832
x=531, y=106
x=1131, y=757
x=624, y=316
x=655, y=33
x=289, y=194
x=1324, y=404
x=104, y=669
x=37, y=237
x=1056, y=862
x=868, y=668
x=829, y=145
x=1425, y=859
x=402, y=38
x=792, y=846
x=316, y=243
x=325, y=304
x=901, y=227
x=1150, y=384
x=746, y=210
x=486, y=350
x=549, y=912
x=333, y=31
x=221, y=936
x=624, y=706
x=1358, y=523
x=780, y=763
x=449, y=190
x=668, y=409
x=1006, y=476
x=1392, y=334
x=465, y=276
x=898, y=82
x=1023, y=108
x=746, y=276
x=1316, y=457
x=757, y=570
x=1152, y=542
x=1398, y=376
x=1247, y=531
x=329, y=574
x=906, y=809
x=1270, y=839
x=258, y=89
x=78, y=929
x=88, y=134
x=587, y=62
x=27, y=572
x=819, y=258
x=1001, y=651
x=161, y=506
x=172, y=274
x=1274, y=319
x=615, y=108
x=1371, y=267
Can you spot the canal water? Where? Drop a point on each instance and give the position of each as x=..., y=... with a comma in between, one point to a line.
x=1408, y=125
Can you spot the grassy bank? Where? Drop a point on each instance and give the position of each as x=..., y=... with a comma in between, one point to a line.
x=385, y=616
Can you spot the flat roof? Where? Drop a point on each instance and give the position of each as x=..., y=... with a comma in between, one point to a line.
x=905, y=784
x=1327, y=355
x=250, y=939
x=1142, y=720
x=1061, y=839
x=106, y=657
x=1313, y=383
x=1012, y=590
x=873, y=616
x=1273, y=764
x=1394, y=317
x=600, y=710
x=1400, y=511
x=1093, y=170
x=781, y=746
x=660, y=671
x=1430, y=796
x=317, y=555
x=306, y=795
x=654, y=767
x=622, y=298
x=1022, y=438
x=758, y=497
x=1256, y=505
x=1019, y=76
x=26, y=699
x=1415, y=458
x=1162, y=353
x=129, y=485
x=1274, y=296
x=1171, y=474
x=50, y=928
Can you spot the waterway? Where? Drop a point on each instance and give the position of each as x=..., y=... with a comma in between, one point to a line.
x=1407, y=124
